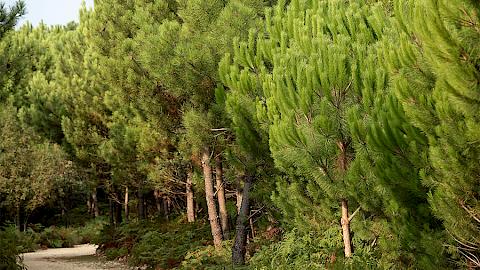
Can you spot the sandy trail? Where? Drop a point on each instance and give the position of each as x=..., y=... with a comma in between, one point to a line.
x=77, y=258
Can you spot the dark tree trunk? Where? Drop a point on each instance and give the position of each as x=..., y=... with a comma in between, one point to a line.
x=238, y=249
x=190, y=201
x=166, y=210
x=111, y=212
x=89, y=206
x=222, y=204
x=18, y=218
x=158, y=201
x=118, y=213
x=141, y=205
x=209, y=195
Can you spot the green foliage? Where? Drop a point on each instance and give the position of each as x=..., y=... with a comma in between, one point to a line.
x=208, y=257
x=9, y=17
x=9, y=253
x=437, y=83
x=152, y=244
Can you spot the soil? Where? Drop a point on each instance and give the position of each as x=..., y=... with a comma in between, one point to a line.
x=81, y=257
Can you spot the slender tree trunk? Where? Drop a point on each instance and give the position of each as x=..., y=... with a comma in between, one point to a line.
x=190, y=202
x=111, y=212
x=222, y=204
x=238, y=249
x=252, y=227
x=141, y=205
x=346, y=229
x=342, y=164
x=18, y=218
x=166, y=211
x=89, y=205
x=127, y=210
x=158, y=203
x=209, y=195
x=118, y=210
x=239, y=193
x=96, y=210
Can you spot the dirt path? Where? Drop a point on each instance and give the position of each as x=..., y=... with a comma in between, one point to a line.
x=77, y=258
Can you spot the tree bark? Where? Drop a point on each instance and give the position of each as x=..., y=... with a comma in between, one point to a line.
x=239, y=193
x=190, y=202
x=238, y=249
x=342, y=164
x=222, y=205
x=96, y=210
x=111, y=214
x=209, y=195
x=141, y=205
x=89, y=205
x=127, y=210
x=158, y=203
x=18, y=218
x=346, y=229
x=166, y=210
x=118, y=210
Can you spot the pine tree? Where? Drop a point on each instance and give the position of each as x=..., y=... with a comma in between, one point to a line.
x=437, y=84
x=309, y=72
x=183, y=55
x=9, y=17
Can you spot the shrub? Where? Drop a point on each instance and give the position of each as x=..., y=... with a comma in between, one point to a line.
x=209, y=258
x=9, y=251
x=152, y=243
x=54, y=237
x=91, y=231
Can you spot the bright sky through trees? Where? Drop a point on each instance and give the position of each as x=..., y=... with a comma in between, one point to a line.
x=51, y=11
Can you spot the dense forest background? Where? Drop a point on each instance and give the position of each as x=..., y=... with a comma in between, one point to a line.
x=302, y=134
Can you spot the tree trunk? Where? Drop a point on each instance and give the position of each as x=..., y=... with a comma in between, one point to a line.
x=222, y=205
x=166, y=211
x=141, y=205
x=111, y=214
x=190, y=202
x=342, y=165
x=89, y=205
x=127, y=210
x=158, y=203
x=239, y=193
x=118, y=211
x=209, y=195
x=96, y=210
x=238, y=249
x=18, y=218
x=346, y=229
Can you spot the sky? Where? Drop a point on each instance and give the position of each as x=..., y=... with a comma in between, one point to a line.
x=51, y=11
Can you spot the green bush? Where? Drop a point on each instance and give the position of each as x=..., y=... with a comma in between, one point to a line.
x=28, y=241
x=91, y=231
x=153, y=243
x=168, y=249
x=209, y=258
x=9, y=251
x=61, y=237
x=310, y=250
